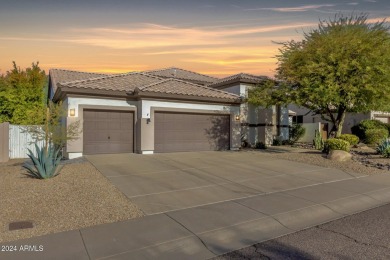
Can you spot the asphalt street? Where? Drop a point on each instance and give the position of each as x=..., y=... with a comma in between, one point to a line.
x=365, y=235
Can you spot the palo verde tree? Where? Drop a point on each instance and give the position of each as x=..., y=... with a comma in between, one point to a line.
x=341, y=66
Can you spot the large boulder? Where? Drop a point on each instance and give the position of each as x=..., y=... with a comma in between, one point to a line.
x=339, y=155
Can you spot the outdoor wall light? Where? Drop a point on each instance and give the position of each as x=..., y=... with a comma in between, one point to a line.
x=237, y=117
x=72, y=112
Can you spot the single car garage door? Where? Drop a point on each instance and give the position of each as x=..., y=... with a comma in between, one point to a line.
x=181, y=132
x=106, y=131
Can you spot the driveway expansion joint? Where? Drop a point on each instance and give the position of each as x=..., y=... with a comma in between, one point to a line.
x=268, y=215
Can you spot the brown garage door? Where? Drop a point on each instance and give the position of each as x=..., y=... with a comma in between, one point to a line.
x=106, y=131
x=180, y=132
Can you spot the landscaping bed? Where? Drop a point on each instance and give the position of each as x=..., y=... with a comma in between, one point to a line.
x=364, y=160
x=79, y=197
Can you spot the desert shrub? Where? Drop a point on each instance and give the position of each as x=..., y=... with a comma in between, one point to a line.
x=352, y=139
x=360, y=129
x=296, y=132
x=287, y=142
x=260, y=145
x=336, y=144
x=374, y=136
x=276, y=142
x=384, y=148
x=318, y=142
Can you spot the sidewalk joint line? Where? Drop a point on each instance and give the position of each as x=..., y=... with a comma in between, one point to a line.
x=82, y=239
x=201, y=240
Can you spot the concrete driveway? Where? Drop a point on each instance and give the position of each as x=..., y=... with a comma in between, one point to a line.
x=212, y=203
x=165, y=182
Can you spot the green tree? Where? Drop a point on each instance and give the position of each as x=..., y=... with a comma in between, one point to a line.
x=341, y=66
x=22, y=95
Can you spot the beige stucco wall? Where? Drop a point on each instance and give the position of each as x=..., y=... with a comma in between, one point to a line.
x=143, y=118
x=260, y=124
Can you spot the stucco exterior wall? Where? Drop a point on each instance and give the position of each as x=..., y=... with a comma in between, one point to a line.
x=143, y=120
x=260, y=124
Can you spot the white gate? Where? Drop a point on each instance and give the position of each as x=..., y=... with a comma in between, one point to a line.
x=20, y=140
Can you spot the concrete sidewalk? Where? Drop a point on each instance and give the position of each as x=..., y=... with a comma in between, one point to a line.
x=206, y=231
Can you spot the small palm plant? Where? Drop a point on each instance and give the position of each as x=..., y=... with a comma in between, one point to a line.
x=45, y=164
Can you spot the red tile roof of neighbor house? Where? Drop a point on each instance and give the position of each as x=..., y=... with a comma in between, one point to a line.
x=187, y=75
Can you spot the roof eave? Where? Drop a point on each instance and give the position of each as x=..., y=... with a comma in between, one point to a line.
x=235, y=81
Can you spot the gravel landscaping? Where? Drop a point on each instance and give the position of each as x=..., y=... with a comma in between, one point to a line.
x=79, y=197
x=364, y=160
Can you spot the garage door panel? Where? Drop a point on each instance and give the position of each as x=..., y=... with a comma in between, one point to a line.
x=106, y=131
x=177, y=132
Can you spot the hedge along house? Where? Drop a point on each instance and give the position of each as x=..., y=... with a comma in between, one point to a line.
x=258, y=124
x=146, y=113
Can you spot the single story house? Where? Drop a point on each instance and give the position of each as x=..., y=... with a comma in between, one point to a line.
x=166, y=110
x=303, y=115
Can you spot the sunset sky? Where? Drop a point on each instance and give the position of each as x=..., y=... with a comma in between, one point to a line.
x=220, y=37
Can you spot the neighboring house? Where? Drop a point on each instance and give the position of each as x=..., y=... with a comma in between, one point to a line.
x=304, y=115
x=167, y=110
x=258, y=124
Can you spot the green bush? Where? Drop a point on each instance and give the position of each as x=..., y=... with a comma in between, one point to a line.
x=45, y=164
x=260, y=145
x=296, y=132
x=276, y=142
x=360, y=129
x=352, y=139
x=374, y=136
x=384, y=148
x=336, y=144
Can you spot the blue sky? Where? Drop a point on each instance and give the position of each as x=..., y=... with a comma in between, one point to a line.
x=213, y=37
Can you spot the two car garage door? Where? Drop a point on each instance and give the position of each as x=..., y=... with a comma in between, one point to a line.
x=107, y=131
x=181, y=132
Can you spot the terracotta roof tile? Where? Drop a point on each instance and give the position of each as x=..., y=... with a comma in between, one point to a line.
x=120, y=82
x=182, y=74
x=62, y=76
x=180, y=87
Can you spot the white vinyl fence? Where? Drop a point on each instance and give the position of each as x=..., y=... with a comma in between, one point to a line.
x=20, y=140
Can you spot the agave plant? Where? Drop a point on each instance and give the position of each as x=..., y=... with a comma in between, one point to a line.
x=384, y=148
x=45, y=164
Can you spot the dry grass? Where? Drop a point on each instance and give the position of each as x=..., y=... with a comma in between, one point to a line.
x=79, y=197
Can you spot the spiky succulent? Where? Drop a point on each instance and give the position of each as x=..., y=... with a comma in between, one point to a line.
x=45, y=164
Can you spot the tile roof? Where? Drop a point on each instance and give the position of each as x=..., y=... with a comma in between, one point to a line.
x=120, y=82
x=62, y=76
x=134, y=82
x=241, y=77
x=183, y=75
x=181, y=87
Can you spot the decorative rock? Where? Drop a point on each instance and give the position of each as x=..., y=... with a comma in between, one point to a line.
x=339, y=155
